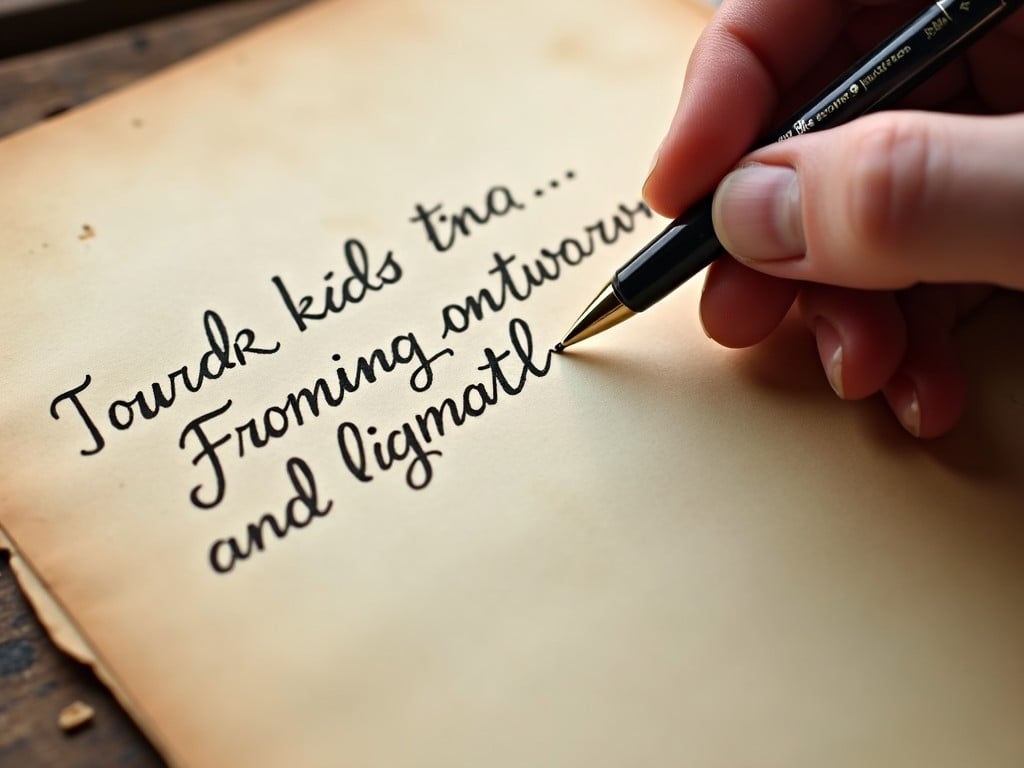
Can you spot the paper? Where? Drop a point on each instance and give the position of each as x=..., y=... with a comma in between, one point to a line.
x=284, y=442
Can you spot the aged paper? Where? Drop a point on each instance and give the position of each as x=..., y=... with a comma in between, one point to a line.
x=283, y=442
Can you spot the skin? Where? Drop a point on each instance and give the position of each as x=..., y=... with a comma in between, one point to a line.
x=884, y=232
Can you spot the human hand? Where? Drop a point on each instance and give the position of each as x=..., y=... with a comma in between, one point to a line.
x=887, y=230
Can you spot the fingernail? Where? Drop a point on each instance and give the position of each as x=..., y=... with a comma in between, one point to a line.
x=911, y=415
x=650, y=171
x=757, y=213
x=902, y=396
x=830, y=348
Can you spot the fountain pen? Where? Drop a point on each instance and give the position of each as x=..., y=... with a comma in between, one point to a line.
x=689, y=243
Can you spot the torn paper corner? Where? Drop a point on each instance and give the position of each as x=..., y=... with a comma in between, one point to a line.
x=60, y=629
x=66, y=636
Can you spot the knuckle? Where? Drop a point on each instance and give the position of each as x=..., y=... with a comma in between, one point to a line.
x=893, y=161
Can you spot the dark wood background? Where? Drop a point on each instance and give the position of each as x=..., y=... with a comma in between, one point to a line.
x=55, y=55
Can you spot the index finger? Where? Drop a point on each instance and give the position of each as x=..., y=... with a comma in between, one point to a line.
x=750, y=53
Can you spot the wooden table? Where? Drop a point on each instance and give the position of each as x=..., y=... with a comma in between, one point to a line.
x=57, y=54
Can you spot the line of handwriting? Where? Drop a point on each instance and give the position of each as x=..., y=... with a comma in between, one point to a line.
x=509, y=371
x=516, y=280
x=299, y=511
x=299, y=407
x=444, y=227
x=359, y=279
x=223, y=354
x=364, y=453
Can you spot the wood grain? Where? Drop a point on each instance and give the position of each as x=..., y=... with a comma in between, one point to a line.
x=32, y=26
x=36, y=680
x=40, y=85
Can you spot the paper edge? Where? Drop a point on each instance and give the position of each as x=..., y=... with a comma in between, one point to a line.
x=69, y=639
x=171, y=69
x=58, y=623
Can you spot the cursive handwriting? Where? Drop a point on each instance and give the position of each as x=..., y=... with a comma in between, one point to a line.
x=362, y=279
x=443, y=229
x=516, y=281
x=300, y=510
x=407, y=448
x=408, y=441
x=222, y=356
x=303, y=405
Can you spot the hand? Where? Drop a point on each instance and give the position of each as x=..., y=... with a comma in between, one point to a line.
x=880, y=229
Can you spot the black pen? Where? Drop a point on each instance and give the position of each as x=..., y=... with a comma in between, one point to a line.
x=689, y=243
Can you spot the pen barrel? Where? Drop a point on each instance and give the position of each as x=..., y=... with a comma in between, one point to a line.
x=683, y=249
x=899, y=64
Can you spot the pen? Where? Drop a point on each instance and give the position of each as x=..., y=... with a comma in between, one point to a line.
x=689, y=244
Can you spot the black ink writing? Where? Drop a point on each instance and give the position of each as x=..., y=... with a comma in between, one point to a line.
x=300, y=510
x=553, y=184
x=303, y=405
x=207, y=452
x=443, y=228
x=90, y=425
x=360, y=448
x=516, y=281
x=339, y=292
x=224, y=353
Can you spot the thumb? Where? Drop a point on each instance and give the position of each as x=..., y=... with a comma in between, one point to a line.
x=886, y=201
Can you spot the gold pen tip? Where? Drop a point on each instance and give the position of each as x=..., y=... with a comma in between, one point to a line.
x=603, y=312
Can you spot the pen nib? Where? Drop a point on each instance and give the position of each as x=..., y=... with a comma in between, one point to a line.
x=558, y=348
x=604, y=311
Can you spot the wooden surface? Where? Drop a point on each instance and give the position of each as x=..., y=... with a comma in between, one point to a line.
x=36, y=680
x=31, y=26
x=42, y=84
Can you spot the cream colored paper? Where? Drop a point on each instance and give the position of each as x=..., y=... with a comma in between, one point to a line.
x=658, y=553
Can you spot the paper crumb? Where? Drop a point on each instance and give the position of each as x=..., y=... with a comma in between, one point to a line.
x=74, y=716
x=87, y=232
